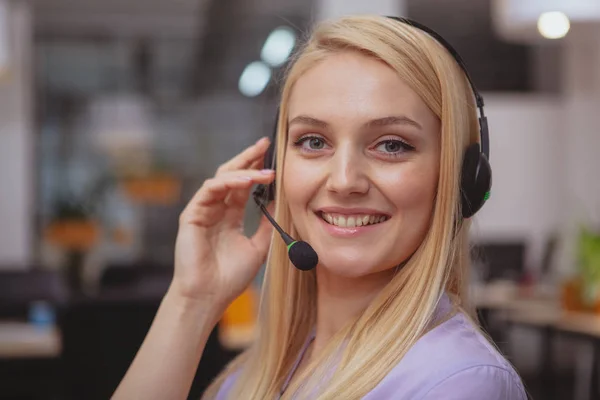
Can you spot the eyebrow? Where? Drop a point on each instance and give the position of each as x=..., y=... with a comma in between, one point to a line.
x=379, y=122
x=394, y=120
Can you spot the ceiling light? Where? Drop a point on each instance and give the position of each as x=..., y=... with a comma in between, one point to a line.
x=553, y=25
x=278, y=46
x=254, y=79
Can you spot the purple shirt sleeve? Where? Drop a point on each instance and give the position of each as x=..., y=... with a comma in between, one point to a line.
x=226, y=386
x=476, y=383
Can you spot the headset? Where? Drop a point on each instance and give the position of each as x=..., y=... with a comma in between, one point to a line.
x=476, y=173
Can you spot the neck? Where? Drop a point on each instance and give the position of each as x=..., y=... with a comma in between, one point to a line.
x=340, y=299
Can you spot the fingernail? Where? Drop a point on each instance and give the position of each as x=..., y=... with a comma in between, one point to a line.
x=262, y=140
x=245, y=178
x=266, y=171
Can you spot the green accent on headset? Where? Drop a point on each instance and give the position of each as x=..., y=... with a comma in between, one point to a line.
x=291, y=244
x=487, y=195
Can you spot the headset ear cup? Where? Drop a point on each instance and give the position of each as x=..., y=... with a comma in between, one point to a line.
x=476, y=181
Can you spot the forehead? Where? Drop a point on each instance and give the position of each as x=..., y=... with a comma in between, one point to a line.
x=353, y=85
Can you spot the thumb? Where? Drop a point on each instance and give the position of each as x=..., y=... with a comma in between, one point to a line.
x=262, y=238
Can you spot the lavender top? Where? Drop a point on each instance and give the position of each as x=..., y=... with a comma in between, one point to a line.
x=453, y=361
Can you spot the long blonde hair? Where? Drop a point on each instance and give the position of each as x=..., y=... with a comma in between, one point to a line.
x=362, y=353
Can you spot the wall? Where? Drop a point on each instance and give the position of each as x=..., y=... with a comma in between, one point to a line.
x=329, y=9
x=528, y=162
x=16, y=164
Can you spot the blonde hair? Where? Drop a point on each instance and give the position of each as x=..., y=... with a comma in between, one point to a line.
x=365, y=351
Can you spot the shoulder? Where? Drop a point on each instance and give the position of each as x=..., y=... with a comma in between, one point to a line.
x=226, y=386
x=477, y=382
x=452, y=361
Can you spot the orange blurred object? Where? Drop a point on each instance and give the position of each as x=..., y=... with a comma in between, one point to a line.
x=154, y=189
x=242, y=311
x=572, y=297
x=122, y=236
x=237, y=326
x=73, y=234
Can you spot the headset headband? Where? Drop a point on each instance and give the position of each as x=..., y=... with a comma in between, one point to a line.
x=483, y=128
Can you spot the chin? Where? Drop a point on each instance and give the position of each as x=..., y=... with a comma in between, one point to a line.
x=349, y=267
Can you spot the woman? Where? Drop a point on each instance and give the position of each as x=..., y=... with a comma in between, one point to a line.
x=374, y=121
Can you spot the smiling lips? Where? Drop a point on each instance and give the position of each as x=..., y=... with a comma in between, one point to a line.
x=352, y=221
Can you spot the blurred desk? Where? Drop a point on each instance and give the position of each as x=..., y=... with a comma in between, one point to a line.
x=580, y=323
x=587, y=324
x=535, y=309
x=506, y=295
x=542, y=311
x=23, y=340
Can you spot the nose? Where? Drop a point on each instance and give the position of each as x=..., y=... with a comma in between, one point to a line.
x=347, y=173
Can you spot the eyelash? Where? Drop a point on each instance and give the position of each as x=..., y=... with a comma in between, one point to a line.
x=405, y=146
x=300, y=141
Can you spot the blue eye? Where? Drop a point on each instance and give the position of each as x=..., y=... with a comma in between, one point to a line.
x=393, y=147
x=310, y=143
x=315, y=143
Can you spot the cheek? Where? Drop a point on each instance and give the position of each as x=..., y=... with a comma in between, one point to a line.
x=413, y=191
x=299, y=182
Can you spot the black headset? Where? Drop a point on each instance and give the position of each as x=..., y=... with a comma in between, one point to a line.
x=476, y=174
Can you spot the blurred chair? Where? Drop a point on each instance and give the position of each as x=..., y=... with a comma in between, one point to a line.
x=19, y=289
x=101, y=337
x=118, y=275
x=548, y=255
x=497, y=261
x=143, y=279
x=139, y=272
x=500, y=260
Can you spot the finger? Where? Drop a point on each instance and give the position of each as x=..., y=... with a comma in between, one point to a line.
x=257, y=164
x=244, y=172
x=240, y=197
x=208, y=204
x=216, y=190
x=247, y=158
x=261, y=240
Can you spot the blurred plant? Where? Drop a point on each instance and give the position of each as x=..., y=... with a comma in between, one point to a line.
x=589, y=263
x=70, y=207
x=74, y=226
x=160, y=184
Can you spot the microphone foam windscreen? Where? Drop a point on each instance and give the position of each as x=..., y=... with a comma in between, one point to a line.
x=303, y=256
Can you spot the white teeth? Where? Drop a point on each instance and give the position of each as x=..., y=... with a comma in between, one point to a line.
x=353, y=221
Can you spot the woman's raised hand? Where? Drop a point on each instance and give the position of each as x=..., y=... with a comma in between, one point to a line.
x=214, y=260
x=214, y=263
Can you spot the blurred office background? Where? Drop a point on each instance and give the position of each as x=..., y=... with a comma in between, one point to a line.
x=112, y=113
